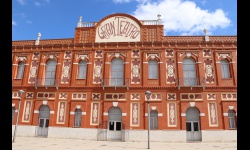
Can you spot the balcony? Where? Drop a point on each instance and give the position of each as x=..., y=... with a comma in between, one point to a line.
x=191, y=82
x=47, y=82
x=115, y=82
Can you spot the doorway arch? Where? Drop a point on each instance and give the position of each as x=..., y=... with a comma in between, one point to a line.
x=43, y=121
x=193, y=124
x=114, y=124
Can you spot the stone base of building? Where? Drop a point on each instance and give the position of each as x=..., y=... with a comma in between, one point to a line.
x=127, y=135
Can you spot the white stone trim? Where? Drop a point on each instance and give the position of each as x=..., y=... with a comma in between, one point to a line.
x=202, y=114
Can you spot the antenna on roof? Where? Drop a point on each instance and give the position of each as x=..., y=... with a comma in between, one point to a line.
x=79, y=24
x=206, y=36
x=38, y=38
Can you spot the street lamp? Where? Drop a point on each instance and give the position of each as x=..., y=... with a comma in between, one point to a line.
x=20, y=99
x=148, y=93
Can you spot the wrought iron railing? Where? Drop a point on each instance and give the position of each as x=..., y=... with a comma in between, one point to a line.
x=115, y=82
x=47, y=82
x=191, y=82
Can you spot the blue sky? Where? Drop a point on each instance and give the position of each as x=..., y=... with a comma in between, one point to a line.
x=56, y=19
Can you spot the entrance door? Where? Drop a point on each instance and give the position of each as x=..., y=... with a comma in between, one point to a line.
x=153, y=119
x=193, y=124
x=115, y=124
x=43, y=123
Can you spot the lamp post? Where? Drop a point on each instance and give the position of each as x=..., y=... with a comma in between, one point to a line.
x=148, y=93
x=20, y=99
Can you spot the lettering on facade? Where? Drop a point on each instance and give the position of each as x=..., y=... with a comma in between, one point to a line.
x=117, y=29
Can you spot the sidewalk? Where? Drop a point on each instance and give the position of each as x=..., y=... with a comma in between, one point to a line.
x=35, y=143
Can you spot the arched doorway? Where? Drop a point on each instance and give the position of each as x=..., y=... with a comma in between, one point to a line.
x=114, y=124
x=193, y=124
x=43, y=123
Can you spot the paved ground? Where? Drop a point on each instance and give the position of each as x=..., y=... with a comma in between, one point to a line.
x=34, y=143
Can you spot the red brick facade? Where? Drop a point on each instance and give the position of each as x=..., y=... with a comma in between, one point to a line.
x=212, y=96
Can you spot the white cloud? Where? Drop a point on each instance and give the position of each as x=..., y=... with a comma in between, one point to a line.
x=121, y=1
x=184, y=17
x=14, y=23
x=21, y=2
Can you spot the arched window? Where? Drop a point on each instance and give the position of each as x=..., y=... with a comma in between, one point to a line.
x=20, y=70
x=117, y=72
x=225, y=68
x=78, y=118
x=82, y=70
x=231, y=119
x=152, y=69
x=50, y=73
x=189, y=72
x=13, y=113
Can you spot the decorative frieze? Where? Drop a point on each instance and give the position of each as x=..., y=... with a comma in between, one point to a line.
x=211, y=96
x=63, y=95
x=228, y=96
x=61, y=112
x=135, y=71
x=115, y=96
x=29, y=95
x=135, y=96
x=172, y=114
x=46, y=95
x=191, y=96
x=135, y=114
x=212, y=114
x=171, y=96
x=26, y=111
x=96, y=96
x=95, y=112
x=79, y=96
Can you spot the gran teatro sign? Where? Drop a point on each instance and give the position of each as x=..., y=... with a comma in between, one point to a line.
x=118, y=29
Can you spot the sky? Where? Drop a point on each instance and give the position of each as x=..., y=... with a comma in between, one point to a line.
x=57, y=19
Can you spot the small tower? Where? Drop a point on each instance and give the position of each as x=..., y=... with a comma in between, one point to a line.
x=38, y=38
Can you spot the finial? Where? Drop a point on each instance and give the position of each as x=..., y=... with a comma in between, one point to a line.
x=159, y=16
x=80, y=19
x=205, y=31
x=79, y=24
x=38, y=38
x=39, y=35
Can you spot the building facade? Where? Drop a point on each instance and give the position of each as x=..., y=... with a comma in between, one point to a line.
x=93, y=86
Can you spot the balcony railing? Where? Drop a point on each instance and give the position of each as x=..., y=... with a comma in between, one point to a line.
x=46, y=82
x=115, y=82
x=191, y=82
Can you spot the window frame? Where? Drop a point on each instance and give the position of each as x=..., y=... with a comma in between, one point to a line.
x=20, y=70
x=225, y=69
x=189, y=72
x=84, y=67
x=50, y=72
x=117, y=72
x=153, y=69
